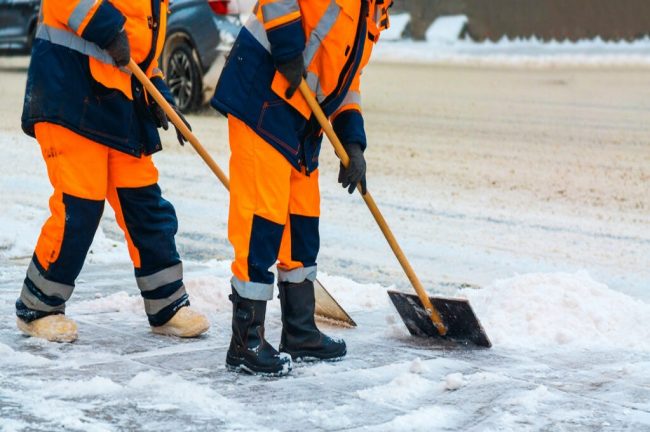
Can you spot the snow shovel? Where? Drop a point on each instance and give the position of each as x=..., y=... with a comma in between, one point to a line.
x=327, y=307
x=436, y=317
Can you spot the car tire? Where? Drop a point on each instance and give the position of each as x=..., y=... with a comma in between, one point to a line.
x=184, y=77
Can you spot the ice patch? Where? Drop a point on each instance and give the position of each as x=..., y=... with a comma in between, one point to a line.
x=562, y=310
x=11, y=358
x=425, y=419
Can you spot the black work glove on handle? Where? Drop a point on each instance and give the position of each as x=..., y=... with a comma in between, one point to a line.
x=355, y=173
x=163, y=122
x=119, y=49
x=294, y=71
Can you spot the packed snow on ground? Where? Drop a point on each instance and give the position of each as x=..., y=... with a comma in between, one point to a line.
x=443, y=44
x=570, y=348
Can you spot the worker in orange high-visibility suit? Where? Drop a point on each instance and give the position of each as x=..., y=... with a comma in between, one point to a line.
x=275, y=142
x=97, y=130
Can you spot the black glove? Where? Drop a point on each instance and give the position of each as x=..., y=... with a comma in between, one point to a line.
x=356, y=171
x=162, y=121
x=119, y=49
x=294, y=71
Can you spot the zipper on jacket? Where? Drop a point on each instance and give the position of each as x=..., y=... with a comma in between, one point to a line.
x=344, y=77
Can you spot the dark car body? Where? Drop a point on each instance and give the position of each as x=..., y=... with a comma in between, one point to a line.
x=18, y=19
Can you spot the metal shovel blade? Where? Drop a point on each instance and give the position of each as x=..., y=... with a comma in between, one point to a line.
x=329, y=310
x=462, y=324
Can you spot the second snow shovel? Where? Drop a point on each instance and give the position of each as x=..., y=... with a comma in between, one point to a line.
x=436, y=317
x=326, y=306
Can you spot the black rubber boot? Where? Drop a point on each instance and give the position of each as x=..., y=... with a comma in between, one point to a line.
x=301, y=339
x=249, y=351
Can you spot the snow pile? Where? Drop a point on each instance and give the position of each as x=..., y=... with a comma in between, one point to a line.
x=443, y=45
x=560, y=309
x=353, y=296
x=446, y=29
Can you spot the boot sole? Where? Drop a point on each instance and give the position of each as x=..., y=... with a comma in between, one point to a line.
x=240, y=366
x=300, y=357
x=184, y=334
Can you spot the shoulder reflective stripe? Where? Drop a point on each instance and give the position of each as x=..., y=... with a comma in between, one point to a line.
x=278, y=9
x=320, y=32
x=298, y=275
x=49, y=288
x=152, y=307
x=256, y=28
x=314, y=83
x=80, y=13
x=32, y=302
x=163, y=277
x=353, y=97
x=74, y=42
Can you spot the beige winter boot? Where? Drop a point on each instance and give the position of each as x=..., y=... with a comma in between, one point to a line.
x=187, y=323
x=54, y=328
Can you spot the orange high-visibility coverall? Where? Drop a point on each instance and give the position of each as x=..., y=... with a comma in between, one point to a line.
x=92, y=122
x=274, y=207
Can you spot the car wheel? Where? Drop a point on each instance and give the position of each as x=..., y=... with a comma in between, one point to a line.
x=184, y=78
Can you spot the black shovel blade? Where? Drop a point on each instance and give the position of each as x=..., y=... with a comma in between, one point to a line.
x=462, y=324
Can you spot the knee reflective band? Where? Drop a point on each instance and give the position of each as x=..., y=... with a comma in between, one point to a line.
x=42, y=295
x=163, y=293
x=253, y=290
x=298, y=275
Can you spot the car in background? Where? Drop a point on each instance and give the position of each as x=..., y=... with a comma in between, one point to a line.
x=18, y=19
x=200, y=34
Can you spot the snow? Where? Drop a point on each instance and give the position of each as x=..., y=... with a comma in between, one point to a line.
x=560, y=284
x=443, y=45
x=446, y=29
x=560, y=310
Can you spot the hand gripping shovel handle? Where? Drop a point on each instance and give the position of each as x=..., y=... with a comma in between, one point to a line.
x=176, y=120
x=372, y=206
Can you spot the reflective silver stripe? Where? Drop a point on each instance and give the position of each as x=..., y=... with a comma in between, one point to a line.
x=163, y=277
x=320, y=32
x=32, y=302
x=252, y=290
x=152, y=307
x=314, y=83
x=74, y=42
x=298, y=275
x=48, y=287
x=278, y=9
x=80, y=13
x=256, y=28
x=353, y=97
x=156, y=71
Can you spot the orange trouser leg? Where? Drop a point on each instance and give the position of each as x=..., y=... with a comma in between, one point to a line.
x=77, y=169
x=260, y=187
x=149, y=224
x=301, y=241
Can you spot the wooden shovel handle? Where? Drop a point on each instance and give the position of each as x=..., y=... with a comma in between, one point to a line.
x=372, y=205
x=180, y=124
